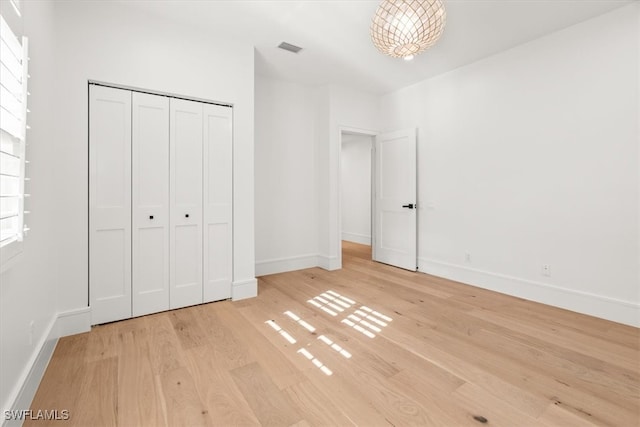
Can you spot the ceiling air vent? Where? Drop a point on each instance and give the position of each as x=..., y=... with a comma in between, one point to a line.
x=290, y=47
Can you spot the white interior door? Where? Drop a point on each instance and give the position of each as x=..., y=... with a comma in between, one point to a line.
x=186, y=160
x=218, y=190
x=109, y=204
x=395, y=199
x=150, y=203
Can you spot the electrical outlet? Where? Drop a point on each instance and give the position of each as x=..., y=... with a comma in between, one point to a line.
x=546, y=270
x=467, y=257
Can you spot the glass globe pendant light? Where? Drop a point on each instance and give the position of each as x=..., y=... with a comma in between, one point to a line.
x=404, y=28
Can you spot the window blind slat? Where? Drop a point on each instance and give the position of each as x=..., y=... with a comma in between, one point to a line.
x=9, y=186
x=9, y=123
x=11, y=62
x=9, y=206
x=9, y=154
x=10, y=103
x=9, y=227
x=8, y=240
x=10, y=39
x=9, y=144
x=9, y=164
x=10, y=82
x=8, y=215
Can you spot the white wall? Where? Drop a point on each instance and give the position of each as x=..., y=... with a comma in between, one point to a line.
x=298, y=138
x=348, y=110
x=29, y=287
x=285, y=176
x=103, y=41
x=530, y=157
x=355, y=174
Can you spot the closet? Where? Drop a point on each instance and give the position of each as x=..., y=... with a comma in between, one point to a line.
x=160, y=203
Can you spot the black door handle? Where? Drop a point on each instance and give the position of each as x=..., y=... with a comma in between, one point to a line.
x=186, y=215
x=410, y=206
x=150, y=216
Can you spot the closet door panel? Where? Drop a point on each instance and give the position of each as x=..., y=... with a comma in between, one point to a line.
x=186, y=203
x=218, y=161
x=150, y=203
x=109, y=204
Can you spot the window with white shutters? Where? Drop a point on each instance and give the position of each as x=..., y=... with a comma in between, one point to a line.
x=13, y=127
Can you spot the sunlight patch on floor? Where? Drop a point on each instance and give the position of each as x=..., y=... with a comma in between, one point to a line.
x=365, y=320
x=315, y=361
x=281, y=331
x=300, y=321
x=335, y=346
x=331, y=302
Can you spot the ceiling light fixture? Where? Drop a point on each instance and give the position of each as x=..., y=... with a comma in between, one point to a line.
x=404, y=28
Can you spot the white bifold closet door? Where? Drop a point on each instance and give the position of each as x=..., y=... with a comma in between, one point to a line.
x=218, y=173
x=186, y=151
x=110, y=204
x=150, y=214
x=160, y=203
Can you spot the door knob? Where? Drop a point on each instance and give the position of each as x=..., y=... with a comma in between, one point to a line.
x=409, y=206
x=186, y=215
x=150, y=216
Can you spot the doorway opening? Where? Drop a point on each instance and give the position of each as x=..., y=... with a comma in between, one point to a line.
x=356, y=189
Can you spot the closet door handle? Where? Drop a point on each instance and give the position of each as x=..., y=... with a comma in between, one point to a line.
x=410, y=206
x=150, y=216
x=186, y=215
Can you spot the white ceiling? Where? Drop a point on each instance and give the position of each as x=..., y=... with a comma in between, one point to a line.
x=336, y=42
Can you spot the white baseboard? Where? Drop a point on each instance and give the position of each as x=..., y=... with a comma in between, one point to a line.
x=363, y=239
x=74, y=322
x=30, y=379
x=582, y=302
x=329, y=262
x=63, y=324
x=243, y=289
x=281, y=265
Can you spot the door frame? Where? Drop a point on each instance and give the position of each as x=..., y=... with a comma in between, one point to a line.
x=336, y=196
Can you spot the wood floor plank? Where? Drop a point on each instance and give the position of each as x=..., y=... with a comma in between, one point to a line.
x=380, y=354
x=60, y=387
x=467, y=365
x=145, y=407
x=188, y=328
x=281, y=370
x=613, y=386
x=619, y=355
x=271, y=406
x=316, y=407
x=98, y=402
x=217, y=390
x=166, y=349
x=556, y=415
x=446, y=353
x=227, y=345
x=483, y=405
x=103, y=342
x=439, y=407
x=183, y=404
x=275, y=303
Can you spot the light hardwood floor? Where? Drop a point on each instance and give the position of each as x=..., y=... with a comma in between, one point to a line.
x=420, y=350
